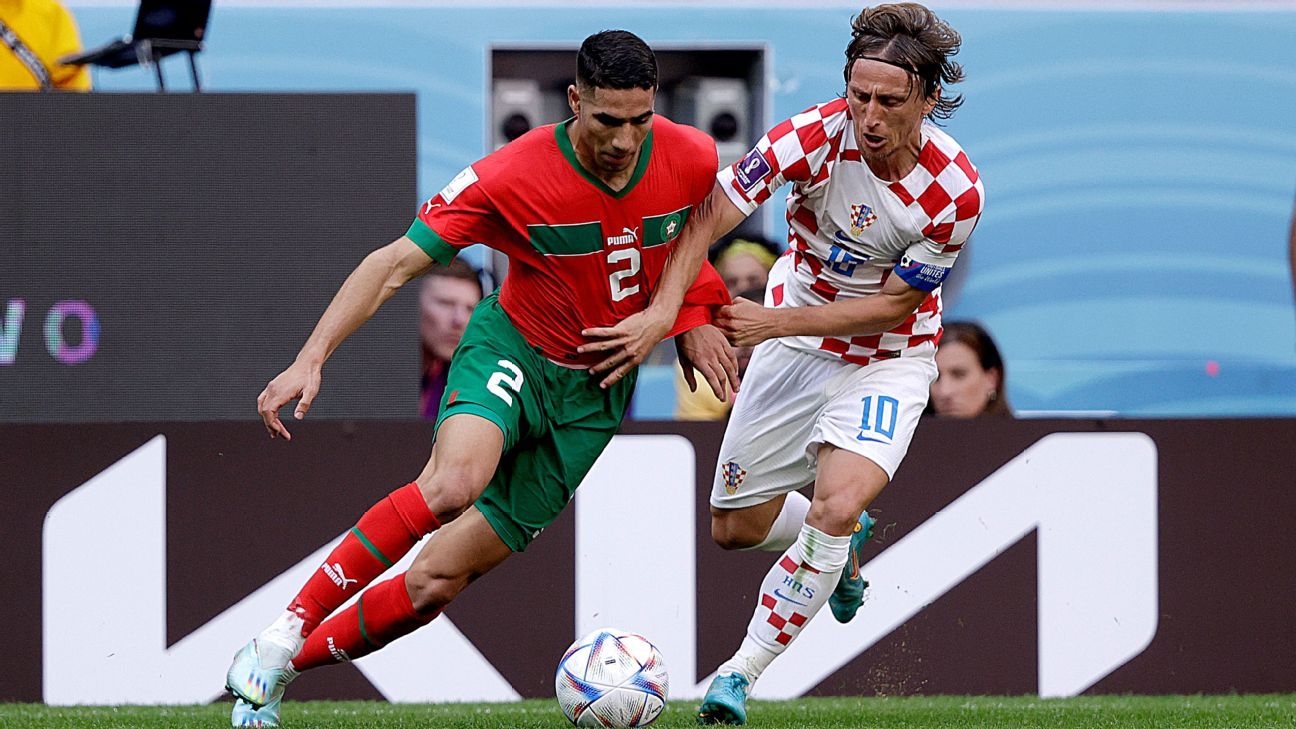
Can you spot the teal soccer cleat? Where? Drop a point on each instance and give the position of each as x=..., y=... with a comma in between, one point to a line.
x=245, y=714
x=257, y=672
x=849, y=593
x=725, y=701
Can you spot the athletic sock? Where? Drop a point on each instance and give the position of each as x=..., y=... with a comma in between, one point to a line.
x=793, y=591
x=382, y=614
x=382, y=536
x=786, y=528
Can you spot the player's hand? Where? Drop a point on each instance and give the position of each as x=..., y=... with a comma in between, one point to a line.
x=747, y=323
x=299, y=382
x=705, y=349
x=627, y=344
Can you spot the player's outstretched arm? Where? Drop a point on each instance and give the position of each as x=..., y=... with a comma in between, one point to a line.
x=748, y=323
x=628, y=343
x=377, y=277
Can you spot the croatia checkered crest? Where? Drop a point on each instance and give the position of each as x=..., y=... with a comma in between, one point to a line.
x=611, y=678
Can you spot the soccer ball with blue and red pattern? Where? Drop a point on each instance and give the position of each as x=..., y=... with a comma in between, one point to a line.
x=611, y=678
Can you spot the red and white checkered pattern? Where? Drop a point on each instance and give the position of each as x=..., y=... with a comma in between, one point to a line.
x=926, y=217
x=794, y=619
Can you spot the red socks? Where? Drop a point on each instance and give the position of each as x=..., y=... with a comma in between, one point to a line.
x=382, y=536
x=382, y=614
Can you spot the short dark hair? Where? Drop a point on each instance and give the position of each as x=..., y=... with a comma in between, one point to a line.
x=616, y=59
x=909, y=36
x=456, y=268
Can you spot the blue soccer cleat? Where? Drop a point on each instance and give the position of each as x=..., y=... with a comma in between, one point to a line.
x=849, y=593
x=725, y=701
x=258, y=670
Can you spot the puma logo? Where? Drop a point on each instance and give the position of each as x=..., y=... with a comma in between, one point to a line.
x=335, y=573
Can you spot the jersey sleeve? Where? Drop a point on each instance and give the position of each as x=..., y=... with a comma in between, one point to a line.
x=927, y=262
x=795, y=151
x=701, y=300
x=459, y=216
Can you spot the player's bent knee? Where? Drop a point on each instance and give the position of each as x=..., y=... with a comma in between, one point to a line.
x=450, y=491
x=730, y=531
x=837, y=513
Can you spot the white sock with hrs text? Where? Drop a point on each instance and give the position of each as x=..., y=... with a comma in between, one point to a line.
x=793, y=591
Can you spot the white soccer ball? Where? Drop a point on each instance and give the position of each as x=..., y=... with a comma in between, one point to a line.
x=611, y=678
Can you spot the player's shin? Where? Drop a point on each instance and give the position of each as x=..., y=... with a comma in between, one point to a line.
x=383, y=613
x=793, y=591
x=382, y=536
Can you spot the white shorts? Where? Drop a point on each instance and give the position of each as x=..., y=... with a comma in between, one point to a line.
x=792, y=402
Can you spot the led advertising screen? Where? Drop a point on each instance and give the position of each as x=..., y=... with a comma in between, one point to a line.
x=164, y=256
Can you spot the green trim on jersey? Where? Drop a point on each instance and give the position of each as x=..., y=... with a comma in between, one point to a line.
x=567, y=240
x=662, y=229
x=431, y=242
x=645, y=152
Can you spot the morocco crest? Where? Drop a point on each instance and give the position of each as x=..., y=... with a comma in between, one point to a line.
x=861, y=217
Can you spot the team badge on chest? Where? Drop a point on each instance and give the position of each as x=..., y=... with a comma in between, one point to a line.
x=862, y=216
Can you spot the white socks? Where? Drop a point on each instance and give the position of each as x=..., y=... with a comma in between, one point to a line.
x=786, y=528
x=282, y=640
x=794, y=590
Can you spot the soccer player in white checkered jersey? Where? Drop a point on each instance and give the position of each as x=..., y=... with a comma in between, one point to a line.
x=881, y=202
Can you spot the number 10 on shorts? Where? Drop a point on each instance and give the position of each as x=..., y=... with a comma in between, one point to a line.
x=878, y=419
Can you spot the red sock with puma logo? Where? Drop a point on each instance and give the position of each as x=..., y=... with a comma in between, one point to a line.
x=382, y=536
x=382, y=614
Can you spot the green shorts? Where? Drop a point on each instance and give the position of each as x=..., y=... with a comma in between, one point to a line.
x=556, y=421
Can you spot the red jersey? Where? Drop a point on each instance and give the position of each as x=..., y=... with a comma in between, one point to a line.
x=580, y=254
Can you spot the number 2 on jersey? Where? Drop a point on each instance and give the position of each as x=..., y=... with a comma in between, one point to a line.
x=616, y=279
x=513, y=383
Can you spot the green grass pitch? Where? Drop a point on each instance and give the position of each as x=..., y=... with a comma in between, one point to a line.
x=991, y=712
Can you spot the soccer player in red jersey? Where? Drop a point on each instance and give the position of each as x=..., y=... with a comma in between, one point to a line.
x=882, y=201
x=587, y=211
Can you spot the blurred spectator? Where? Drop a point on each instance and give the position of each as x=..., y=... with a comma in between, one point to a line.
x=446, y=301
x=971, y=379
x=34, y=34
x=743, y=262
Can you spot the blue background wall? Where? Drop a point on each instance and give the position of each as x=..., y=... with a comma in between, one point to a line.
x=1140, y=167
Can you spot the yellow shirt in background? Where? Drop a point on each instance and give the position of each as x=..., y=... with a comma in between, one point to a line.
x=50, y=32
x=700, y=404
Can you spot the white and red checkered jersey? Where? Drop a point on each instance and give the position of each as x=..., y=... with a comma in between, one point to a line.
x=849, y=231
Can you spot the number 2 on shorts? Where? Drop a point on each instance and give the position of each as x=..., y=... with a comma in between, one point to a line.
x=513, y=383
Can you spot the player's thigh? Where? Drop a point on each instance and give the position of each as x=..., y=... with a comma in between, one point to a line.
x=467, y=448
x=763, y=454
x=537, y=479
x=874, y=413
x=453, y=557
